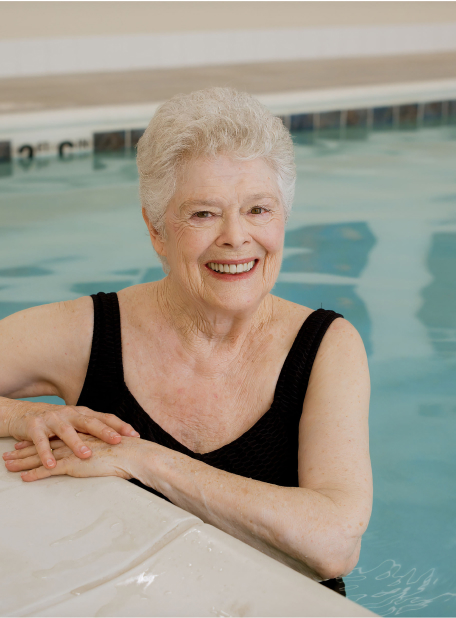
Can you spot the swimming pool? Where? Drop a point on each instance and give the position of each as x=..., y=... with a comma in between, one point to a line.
x=372, y=236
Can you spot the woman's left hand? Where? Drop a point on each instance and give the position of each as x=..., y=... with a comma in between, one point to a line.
x=106, y=460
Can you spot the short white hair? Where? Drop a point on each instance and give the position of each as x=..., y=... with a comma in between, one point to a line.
x=204, y=124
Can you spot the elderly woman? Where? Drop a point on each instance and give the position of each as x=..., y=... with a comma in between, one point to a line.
x=252, y=410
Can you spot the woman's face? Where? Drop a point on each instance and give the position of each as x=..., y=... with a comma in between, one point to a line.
x=226, y=215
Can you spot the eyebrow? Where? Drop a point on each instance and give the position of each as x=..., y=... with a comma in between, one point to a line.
x=262, y=196
x=209, y=203
x=189, y=203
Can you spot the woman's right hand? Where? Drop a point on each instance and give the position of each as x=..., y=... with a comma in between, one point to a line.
x=37, y=423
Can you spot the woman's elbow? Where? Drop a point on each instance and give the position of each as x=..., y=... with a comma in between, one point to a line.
x=339, y=562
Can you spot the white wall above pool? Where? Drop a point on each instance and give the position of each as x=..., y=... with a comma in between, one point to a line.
x=121, y=52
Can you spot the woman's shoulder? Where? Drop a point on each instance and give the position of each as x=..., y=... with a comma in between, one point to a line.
x=339, y=332
x=138, y=299
x=286, y=309
x=59, y=317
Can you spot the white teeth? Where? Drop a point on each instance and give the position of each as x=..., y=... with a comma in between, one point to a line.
x=231, y=268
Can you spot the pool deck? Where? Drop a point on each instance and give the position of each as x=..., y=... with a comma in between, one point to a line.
x=33, y=94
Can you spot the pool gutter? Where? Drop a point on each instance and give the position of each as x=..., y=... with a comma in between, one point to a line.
x=42, y=133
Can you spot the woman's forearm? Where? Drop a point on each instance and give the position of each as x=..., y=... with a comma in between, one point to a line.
x=300, y=527
x=8, y=409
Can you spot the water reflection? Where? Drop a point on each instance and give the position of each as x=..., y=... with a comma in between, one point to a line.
x=336, y=248
x=152, y=274
x=93, y=287
x=438, y=311
x=406, y=593
x=340, y=298
x=340, y=249
x=8, y=308
x=437, y=410
x=24, y=271
x=6, y=169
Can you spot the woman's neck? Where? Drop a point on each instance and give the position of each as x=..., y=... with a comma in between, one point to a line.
x=204, y=328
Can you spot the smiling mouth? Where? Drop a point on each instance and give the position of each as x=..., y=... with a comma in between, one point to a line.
x=231, y=269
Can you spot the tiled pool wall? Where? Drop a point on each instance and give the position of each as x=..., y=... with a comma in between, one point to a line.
x=410, y=116
x=338, y=124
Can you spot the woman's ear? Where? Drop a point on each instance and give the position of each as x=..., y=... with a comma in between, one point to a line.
x=155, y=237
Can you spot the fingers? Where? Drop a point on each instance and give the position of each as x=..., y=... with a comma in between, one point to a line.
x=106, y=427
x=21, y=454
x=113, y=421
x=28, y=459
x=22, y=444
x=43, y=448
x=28, y=463
x=67, y=434
x=39, y=473
x=56, y=444
x=63, y=430
x=63, y=467
x=72, y=439
x=30, y=450
x=97, y=428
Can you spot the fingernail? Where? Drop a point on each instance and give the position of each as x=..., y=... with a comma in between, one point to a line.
x=134, y=433
x=114, y=435
x=84, y=449
x=50, y=463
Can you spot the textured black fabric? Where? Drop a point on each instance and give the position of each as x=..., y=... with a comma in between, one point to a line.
x=267, y=452
x=337, y=584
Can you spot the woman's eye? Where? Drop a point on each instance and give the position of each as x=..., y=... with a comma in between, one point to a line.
x=202, y=214
x=257, y=210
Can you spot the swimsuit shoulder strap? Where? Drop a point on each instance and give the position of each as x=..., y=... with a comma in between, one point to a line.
x=103, y=386
x=294, y=377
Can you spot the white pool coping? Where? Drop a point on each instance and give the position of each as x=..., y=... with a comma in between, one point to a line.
x=280, y=103
x=102, y=546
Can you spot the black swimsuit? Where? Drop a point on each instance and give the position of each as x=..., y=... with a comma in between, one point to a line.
x=267, y=452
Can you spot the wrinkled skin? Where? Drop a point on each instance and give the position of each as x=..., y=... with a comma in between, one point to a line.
x=38, y=425
x=106, y=459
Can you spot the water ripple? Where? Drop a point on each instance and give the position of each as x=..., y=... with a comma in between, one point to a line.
x=401, y=593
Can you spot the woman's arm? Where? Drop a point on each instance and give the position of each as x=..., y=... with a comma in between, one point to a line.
x=315, y=528
x=45, y=350
x=297, y=526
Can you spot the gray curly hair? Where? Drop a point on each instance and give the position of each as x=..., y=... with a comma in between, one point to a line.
x=206, y=123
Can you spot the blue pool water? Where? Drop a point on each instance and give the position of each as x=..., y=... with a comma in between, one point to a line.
x=372, y=236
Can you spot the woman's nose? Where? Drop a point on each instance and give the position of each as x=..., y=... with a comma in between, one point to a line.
x=233, y=232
